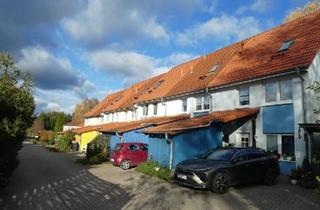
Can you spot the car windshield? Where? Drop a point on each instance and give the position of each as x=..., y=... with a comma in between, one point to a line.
x=223, y=154
x=117, y=147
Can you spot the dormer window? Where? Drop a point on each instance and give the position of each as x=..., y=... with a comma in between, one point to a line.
x=215, y=67
x=157, y=85
x=285, y=45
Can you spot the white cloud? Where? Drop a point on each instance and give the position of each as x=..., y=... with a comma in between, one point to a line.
x=259, y=6
x=219, y=29
x=133, y=66
x=51, y=72
x=105, y=20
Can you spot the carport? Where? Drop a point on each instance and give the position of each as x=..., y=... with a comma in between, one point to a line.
x=174, y=142
x=130, y=131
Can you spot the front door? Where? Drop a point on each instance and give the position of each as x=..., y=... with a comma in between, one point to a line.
x=244, y=139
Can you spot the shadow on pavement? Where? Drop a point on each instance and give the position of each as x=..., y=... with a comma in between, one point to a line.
x=77, y=188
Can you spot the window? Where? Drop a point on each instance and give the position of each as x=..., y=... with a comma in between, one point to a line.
x=199, y=103
x=117, y=99
x=244, y=141
x=285, y=45
x=203, y=103
x=155, y=109
x=271, y=91
x=214, y=68
x=206, y=102
x=145, y=110
x=272, y=144
x=241, y=156
x=287, y=144
x=133, y=147
x=255, y=154
x=285, y=89
x=144, y=147
x=184, y=105
x=244, y=95
x=158, y=84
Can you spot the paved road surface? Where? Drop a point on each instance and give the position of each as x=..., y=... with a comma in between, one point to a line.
x=49, y=180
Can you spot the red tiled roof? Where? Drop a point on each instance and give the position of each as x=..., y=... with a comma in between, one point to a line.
x=84, y=129
x=202, y=121
x=259, y=56
x=98, y=109
x=75, y=123
x=170, y=79
x=200, y=77
x=129, y=96
x=133, y=125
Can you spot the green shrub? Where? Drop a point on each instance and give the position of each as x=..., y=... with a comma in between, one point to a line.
x=97, y=146
x=64, y=142
x=97, y=159
x=154, y=169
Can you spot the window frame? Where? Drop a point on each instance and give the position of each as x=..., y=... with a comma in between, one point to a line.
x=145, y=110
x=290, y=89
x=155, y=109
x=242, y=96
x=275, y=91
x=202, y=104
x=286, y=45
x=184, y=105
x=276, y=138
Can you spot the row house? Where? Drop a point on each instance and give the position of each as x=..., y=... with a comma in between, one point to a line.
x=261, y=81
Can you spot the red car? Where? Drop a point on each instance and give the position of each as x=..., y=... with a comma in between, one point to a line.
x=130, y=154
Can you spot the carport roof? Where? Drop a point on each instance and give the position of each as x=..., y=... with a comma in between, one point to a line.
x=134, y=125
x=202, y=121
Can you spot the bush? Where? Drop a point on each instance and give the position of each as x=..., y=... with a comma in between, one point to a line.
x=97, y=159
x=45, y=136
x=97, y=151
x=154, y=169
x=64, y=142
x=97, y=146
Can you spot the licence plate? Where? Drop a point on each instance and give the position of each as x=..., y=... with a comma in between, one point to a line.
x=181, y=176
x=112, y=160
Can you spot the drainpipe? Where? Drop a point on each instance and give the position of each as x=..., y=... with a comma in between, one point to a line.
x=303, y=94
x=119, y=136
x=165, y=105
x=171, y=150
x=210, y=97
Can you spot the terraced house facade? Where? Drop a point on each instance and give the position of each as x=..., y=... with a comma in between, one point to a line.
x=251, y=93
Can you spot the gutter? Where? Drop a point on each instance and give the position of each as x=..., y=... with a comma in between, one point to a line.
x=233, y=84
x=171, y=150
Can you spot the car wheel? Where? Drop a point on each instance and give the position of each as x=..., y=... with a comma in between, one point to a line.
x=270, y=177
x=125, y=164
x=220, y=183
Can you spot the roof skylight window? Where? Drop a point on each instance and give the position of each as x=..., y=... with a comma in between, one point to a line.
x=157, y=85
x=285, y=45
x=117, y=99
x=215, y=67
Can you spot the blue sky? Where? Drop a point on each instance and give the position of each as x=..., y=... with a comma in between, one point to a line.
x=89, y=48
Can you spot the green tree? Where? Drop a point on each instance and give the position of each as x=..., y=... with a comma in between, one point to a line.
x=59, y=121
x=309, y=8
x=16, y=112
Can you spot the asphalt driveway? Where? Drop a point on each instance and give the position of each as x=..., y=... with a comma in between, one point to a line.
x=48, y=180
